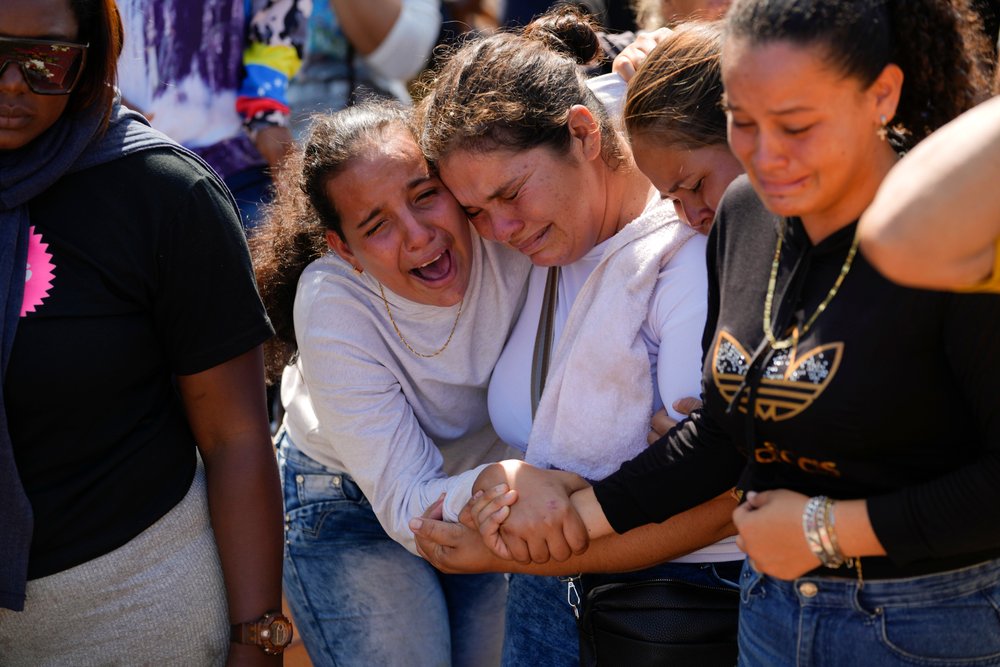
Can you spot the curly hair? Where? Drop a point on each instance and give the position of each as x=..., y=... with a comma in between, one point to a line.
x=676, y=94
x=293, y=233
x=515, y=91
x=938, y=44
x=996, y=79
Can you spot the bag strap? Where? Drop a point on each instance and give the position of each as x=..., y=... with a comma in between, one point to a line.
x=543, y=338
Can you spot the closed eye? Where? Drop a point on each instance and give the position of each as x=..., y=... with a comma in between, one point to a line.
x=797, y=130
x=374, y=228
x=424, y=195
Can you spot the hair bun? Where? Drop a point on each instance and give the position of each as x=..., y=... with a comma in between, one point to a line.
x=567, y=29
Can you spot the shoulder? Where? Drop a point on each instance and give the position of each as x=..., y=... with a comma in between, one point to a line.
x=689, y=258
x=742, y=221
x=331, y=303
x=328, y=280
x=500, y=254
x=682, y=280
x=165, y=173
x=740, y=204
x=740, y=197
x=507, y=266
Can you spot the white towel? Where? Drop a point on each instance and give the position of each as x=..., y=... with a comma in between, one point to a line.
x=594, y=413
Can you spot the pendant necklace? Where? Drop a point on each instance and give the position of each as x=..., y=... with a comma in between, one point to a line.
x=793, y=339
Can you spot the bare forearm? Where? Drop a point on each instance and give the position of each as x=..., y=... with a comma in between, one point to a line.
x=647, y=545
x=366, y=24
x=226, y=410
x=245, y=504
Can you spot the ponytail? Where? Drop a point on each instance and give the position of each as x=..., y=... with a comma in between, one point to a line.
x=282, y=246
x=943, y=53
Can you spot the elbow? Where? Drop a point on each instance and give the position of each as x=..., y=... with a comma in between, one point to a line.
x=886, y=248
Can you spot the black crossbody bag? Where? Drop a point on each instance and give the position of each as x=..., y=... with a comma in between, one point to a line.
x=658, y=622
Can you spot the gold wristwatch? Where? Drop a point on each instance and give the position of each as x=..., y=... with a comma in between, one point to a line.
x=272, y=632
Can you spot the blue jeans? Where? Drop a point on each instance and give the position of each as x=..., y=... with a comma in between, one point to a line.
x=541, y=625
x=938, y=620
x=359, y=598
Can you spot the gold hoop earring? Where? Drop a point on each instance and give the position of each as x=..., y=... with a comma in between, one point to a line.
x=883, y=130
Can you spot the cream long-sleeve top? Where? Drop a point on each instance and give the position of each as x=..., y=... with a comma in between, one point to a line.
x=406, y=428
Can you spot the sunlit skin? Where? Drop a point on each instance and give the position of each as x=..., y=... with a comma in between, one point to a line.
x=553, y=207
x=24, y=115
x=806, y=134
x=693, y=178
x=401, y=225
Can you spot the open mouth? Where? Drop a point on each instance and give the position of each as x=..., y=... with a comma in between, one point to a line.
x=435, y=270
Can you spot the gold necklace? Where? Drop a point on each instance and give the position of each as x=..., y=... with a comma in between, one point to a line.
x=400, y=333
x=769, y=297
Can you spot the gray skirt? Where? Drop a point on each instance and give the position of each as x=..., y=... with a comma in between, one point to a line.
x=157, y=600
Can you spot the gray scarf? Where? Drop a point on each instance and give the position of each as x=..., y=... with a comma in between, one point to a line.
x=71, y=145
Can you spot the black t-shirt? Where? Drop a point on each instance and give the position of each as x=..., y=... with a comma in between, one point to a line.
x=139, y=271
x=890, y=396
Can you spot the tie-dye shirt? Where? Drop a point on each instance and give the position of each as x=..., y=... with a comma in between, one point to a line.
x=209, y=71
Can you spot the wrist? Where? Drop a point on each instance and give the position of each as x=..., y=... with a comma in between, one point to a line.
x=854, y=529
x=271, y=633
x=573, y=482
x=819, y=528
x=585, y=503
x=489, y=477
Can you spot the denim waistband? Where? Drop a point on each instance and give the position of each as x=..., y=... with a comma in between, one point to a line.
x=293, y=460
x=842, y=592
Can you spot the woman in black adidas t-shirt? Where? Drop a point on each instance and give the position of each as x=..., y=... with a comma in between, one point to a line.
x=823, y=380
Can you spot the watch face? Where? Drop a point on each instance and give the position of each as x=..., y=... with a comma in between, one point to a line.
x=279, y=632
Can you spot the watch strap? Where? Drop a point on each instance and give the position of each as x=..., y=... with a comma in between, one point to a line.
x=272, y=632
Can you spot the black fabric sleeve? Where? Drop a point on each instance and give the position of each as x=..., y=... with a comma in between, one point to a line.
x=957, y=513
x=691, y=464
x=207, y=306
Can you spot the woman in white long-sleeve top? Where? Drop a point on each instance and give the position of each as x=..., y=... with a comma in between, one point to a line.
x=397, y=331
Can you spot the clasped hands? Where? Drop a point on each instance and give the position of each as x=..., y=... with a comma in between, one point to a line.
x=499, y=526
x=493, y=531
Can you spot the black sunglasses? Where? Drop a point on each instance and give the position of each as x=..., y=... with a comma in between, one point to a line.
x=48, y=67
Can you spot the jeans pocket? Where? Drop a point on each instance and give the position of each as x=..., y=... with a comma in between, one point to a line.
x=751, y=584
x=964, y=630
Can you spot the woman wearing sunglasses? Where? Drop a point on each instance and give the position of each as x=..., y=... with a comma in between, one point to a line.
x=130, y=342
